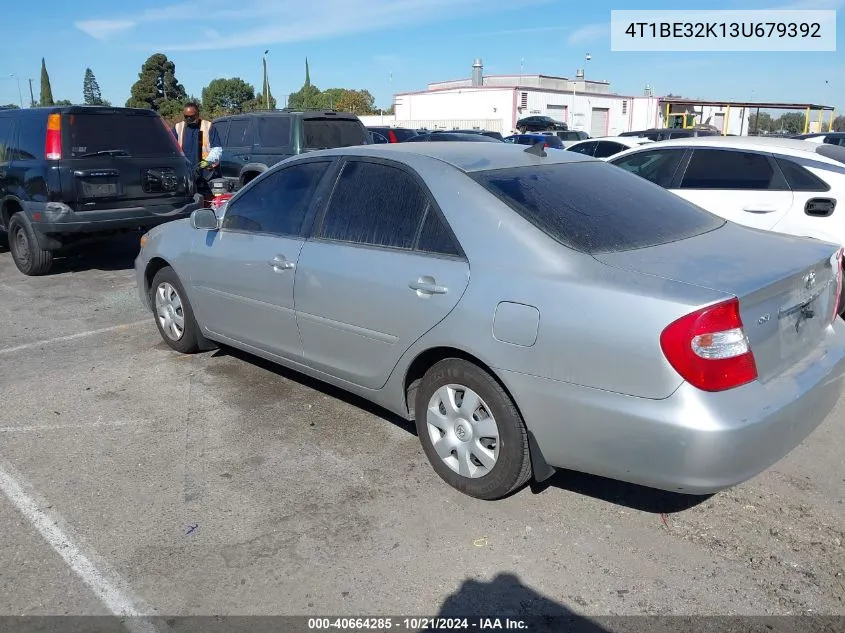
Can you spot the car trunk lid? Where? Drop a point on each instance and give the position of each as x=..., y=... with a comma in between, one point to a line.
x=786, y=286
x=118, y=159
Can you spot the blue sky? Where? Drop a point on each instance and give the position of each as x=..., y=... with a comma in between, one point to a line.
x=361, y=43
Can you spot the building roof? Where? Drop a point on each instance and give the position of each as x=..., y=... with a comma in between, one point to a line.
x=762, y=105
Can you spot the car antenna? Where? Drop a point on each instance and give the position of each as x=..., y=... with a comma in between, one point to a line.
x=537, y=149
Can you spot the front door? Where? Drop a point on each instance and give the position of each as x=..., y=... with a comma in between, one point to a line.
x=744, y=187
x=382, y=270
x=243, y=274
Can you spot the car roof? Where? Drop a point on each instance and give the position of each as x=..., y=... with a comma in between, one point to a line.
x=622, y=140
x=468, y=157
x=760, y=143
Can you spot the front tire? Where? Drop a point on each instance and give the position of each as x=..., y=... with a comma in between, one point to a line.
x=29, y=257
x=471, y=430
x=173, y=313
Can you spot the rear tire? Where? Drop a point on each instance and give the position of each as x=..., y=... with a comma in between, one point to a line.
x=471, y=430
x=29, y=257
x=173, y=313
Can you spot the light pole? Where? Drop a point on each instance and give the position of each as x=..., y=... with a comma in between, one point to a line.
x=20, y=94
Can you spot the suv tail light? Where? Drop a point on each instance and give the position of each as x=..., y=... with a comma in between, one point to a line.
x=53, y=142
x=709, y=348
x=391, y=136
x=838, y=281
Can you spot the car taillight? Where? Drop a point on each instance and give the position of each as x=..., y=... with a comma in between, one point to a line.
x=709, y=348
x=545, y=145
x=53, y=142
x=838, y=281
x=391, y=136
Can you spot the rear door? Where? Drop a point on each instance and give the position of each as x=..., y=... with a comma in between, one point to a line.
x=119, y=159
x=382, y=269
x=742, y=186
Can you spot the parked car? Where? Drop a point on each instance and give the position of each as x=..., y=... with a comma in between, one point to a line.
x=451, y=136
x=255, y=141
x=491, y=134
x=663, y=134
x=776, y=184
x=539, y=124
x=569, y=136
x=375, y=138
x=394, y=134
x=607, y=146
x=831, y=138
x=80, y=173
x=719, y=367
x=549, y=140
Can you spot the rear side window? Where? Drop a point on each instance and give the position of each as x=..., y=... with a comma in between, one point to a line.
x=29, y=141
x=375, y=204
x=595, y=208
x=800, y=179
x=239, y=133
x=274, y=131
x=658, y=165
x=136, y=134
x=328, y=133
x=221, y=129
x=607, y=148
x=436, y=237
x=5, y=129
x=584, y=148
x=729, y=169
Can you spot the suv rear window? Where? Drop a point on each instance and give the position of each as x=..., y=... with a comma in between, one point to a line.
x=328, y=133
x=136, y=134
x=274, y=131
x=594, y=207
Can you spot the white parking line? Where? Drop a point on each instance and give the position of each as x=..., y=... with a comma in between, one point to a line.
x=72, y=337
x=109, y=588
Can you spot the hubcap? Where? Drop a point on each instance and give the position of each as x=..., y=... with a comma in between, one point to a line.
x=171, y=315
x=21, y=246
x=463, y=431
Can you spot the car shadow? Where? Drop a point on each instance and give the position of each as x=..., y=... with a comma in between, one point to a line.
x=507, y=599
x=117, y=253
x=620, y=493
x=601, y=488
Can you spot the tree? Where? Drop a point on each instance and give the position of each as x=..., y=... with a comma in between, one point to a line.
x=10, y=106
x=763, y=123
x=356, y=101
x=63, y=102
x=839, y=124
x=391, y=110
x=259, y=103
x=157, y=85
x=306, y=97
x=329, y=98
x=227, y=96
x=792, y=122
x=46, y=90
x=91, y=94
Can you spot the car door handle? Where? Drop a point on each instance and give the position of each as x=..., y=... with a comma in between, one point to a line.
x=279, y=263
x=244, y=158
x=759, y=208
x=427, y=286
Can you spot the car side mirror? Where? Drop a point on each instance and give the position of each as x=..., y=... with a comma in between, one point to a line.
x=205, y=219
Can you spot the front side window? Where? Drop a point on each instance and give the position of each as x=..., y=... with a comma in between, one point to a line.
x=278, y=203
x=375, y=204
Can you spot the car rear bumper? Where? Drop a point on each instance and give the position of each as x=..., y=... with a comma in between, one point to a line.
x=693, y=441
x=56, y=219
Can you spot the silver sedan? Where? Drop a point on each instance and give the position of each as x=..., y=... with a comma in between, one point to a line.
x=529, y=310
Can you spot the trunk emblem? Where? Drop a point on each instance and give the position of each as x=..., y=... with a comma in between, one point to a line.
x=764, y=319
x=810, y=280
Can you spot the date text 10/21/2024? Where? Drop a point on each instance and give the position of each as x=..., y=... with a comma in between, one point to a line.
x=376, y=624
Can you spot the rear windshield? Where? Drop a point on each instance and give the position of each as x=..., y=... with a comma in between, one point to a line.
x=328, y=133
x=135, y=134
x=274, y=131
x=595, y=207
x=835, y=152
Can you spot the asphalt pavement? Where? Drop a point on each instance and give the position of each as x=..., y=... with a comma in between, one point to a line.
x=135, y=478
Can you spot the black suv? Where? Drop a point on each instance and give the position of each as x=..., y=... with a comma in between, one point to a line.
x=254, y=142
x=539, y=124
x=69, y=174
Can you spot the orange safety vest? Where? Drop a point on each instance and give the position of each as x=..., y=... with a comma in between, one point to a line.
x=205, y=126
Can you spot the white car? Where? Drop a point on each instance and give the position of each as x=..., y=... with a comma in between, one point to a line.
x=604, y=146
x=831, y=138
x=776, y=184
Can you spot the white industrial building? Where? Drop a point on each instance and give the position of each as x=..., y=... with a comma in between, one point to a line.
x=497, y=102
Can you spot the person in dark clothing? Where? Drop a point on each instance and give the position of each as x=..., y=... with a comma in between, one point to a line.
x=187, y=133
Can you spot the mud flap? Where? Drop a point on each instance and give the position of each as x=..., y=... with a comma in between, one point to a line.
x=541, y=470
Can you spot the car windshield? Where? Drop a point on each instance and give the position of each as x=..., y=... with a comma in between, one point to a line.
x=595, y=207
x=116, y=133
x=329, y=133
